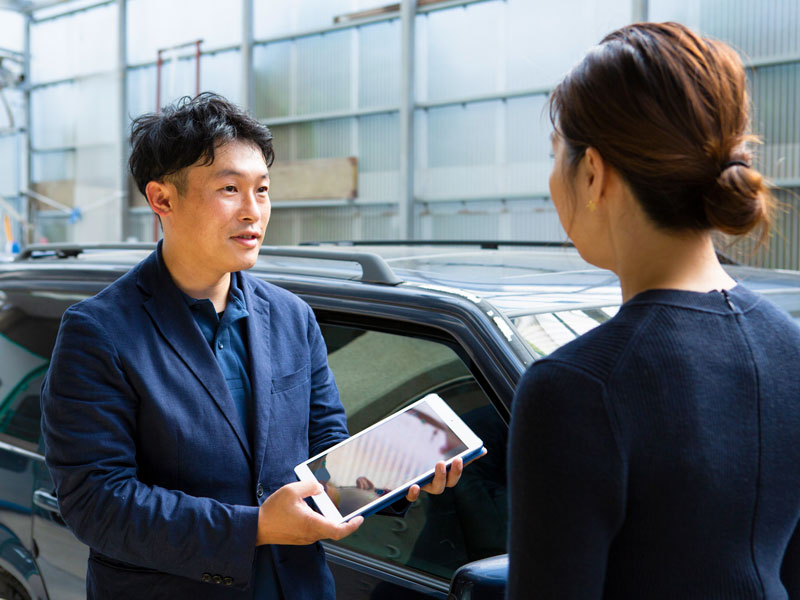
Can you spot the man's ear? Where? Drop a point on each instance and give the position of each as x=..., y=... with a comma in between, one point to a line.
x=160, y=197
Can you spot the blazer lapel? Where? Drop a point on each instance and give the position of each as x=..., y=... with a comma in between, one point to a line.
x=172, y=318
x=258, y=341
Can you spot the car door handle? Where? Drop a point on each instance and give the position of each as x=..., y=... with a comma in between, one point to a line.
x=45, y=500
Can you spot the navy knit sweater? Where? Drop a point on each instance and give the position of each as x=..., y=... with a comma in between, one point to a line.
x=658, y=456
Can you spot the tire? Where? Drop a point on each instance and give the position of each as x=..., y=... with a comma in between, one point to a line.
x=10, y=589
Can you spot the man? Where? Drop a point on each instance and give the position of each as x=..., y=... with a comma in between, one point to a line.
x=181, y=397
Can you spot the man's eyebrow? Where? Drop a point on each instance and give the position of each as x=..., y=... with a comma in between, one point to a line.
x=234, y=173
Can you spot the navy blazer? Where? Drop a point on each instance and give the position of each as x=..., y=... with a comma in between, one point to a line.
x=152, y=468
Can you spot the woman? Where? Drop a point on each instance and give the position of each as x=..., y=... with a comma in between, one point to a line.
x=658, y=456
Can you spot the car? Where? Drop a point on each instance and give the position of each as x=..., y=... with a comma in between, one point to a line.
x=401, y=320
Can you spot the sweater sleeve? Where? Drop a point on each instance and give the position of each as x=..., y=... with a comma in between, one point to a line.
x=790, y=569
x=566, y=485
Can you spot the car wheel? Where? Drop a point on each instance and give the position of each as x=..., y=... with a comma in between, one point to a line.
x=10, y=589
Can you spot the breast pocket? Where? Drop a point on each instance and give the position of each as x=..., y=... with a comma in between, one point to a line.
x=284, y=383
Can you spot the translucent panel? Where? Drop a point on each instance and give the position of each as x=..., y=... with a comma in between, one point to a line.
x=156, y=24
x=141, y=91
x=12, y=30
x=278, y=17
x=379, y=65
x=324, y=139
x=783, y=249
x=462, y=134
x=67, y=47
x=9, y=165
x=323, y=73
x=294, y=225
x=776, y=103
x=97, y=119
x=532, y=220
x=456, y=148
x=52, y=166
x=272, y=80
x=544, y=39
x=379, y=158
x=12, y=109
x=53, y=116
x=222, y=73
x=459, y=51
x=527, y=145
x=757, y=29
x=53, y=227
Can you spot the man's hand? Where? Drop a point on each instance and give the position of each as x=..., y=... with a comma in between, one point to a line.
x=285, y=518
x=442, y=478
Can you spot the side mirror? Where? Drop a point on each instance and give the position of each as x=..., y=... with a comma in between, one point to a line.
x=481, y=580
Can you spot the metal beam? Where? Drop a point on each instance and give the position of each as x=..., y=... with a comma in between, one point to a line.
x=408, y=12
x=329, y=116
x=122, y=99
x=27, y=233
x=248, y=97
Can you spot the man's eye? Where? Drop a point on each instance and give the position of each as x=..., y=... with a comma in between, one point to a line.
x=263, y=190
x=230, y=188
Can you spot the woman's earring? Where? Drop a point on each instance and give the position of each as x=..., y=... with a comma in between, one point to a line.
x=591, y=205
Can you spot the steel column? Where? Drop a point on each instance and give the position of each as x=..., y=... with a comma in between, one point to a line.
x=122, y=76
x=408, y=12
x=247, y=56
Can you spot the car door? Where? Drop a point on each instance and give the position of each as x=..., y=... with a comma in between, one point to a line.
x=29, y=321
x=381, y=365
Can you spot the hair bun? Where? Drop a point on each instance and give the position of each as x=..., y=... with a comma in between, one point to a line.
x=739, y=200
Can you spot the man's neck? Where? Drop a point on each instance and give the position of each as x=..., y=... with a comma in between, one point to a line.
x=196, y=282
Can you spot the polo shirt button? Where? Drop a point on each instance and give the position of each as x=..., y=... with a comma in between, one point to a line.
x=220, y=346
x=206, y=578
x=260, y=490
x=217, y=579
x=228, y=581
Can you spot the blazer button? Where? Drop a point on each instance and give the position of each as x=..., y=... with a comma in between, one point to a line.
x=206, y=578
x=217, y=579
x=228, y=581
x=260, y=490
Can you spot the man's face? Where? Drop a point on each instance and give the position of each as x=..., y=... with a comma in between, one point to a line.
x=216, y=225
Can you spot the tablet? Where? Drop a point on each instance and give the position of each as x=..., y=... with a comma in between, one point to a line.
x=375, y=467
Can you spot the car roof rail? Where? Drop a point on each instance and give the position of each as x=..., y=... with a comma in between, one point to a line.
x=70, y=250
x=483, y=244
x=374, y=269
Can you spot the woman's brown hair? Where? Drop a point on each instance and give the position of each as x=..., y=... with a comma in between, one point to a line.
x=669, y=110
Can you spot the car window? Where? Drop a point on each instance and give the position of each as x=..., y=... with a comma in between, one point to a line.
x=546, y=332
x=378, y=373
x=28, y=328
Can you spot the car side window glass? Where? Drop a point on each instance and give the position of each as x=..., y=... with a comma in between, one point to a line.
x=28, y=330
x=378, y=373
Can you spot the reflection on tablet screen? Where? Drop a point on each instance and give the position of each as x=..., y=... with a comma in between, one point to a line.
x=384, y=458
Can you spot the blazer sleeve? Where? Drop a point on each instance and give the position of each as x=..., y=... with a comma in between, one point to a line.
x=566, y=485
x=89, y=426
x=327, y=419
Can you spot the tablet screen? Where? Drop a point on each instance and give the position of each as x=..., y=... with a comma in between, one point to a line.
x=385, y=457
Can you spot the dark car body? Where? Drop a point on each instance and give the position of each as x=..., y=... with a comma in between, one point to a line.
x=400, y=321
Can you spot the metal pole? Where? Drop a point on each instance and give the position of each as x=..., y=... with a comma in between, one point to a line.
x=247, y=56
x=408, y=11
x=122, y=75
x=26, y=208
x=639, y=11
x=197, y=67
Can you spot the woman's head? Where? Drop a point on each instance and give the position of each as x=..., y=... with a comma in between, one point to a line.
x=668, y=110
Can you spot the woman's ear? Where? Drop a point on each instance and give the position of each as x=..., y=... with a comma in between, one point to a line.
x=595, y=176
x=160, y=197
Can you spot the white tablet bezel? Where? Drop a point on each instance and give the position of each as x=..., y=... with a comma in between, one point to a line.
x=442, y=410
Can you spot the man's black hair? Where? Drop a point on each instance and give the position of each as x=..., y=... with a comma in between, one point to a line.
x=187, y=132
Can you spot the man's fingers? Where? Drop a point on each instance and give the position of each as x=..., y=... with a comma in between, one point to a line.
x=413, y=493
x=456, y=468
x=304, y=489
